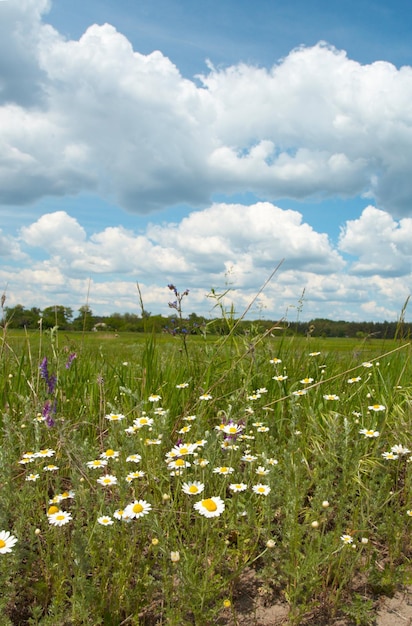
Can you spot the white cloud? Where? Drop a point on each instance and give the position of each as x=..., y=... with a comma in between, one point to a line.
x=224, y=246
x=131, y=128
x=382, y=245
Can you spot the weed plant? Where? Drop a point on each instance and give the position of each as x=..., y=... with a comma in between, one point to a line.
x=142, y=480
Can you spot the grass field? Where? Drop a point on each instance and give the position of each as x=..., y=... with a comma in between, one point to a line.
x=144, y=476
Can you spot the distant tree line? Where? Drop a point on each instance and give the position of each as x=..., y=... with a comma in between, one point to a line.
x=63, y=317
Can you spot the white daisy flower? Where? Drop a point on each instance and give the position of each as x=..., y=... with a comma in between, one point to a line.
x=105, y=520
x=261, y=490
x=210, y=507
x=137, y=509
x=7, y=541
x=107, y=480
x=59, y=518
x=193, y=488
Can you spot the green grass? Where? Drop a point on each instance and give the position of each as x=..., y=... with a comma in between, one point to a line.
x=326, y=479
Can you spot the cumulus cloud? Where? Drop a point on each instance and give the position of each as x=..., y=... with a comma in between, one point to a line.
x=382, y=245
x=129, y=127
x=223, y=246
x=243, y=240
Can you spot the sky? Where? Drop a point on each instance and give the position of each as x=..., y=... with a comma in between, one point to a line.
x=207, y=143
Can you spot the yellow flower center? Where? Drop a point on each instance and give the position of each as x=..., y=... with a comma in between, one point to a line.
x=2, y=544
x=65, y=494
x=193, y=489
x=232, y=429
x=223, y=470
x=261, y=489
x=60, y=517
x=52, y=509
x=137, y=508
x=180, y=462
x=109, y=452
x=184, y=450
x=209, y=504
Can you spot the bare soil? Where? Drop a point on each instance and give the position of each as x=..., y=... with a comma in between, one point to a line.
x=252, y=607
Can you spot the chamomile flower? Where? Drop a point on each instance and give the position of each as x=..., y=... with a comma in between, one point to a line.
x=132, y=475
x=59, y=518
x=237, y=487
x=105, y=520
x=47, y=452
x=280, y=378
x=182, y=385
x=29, y=455
x=223, y=470
x=306, y=381
x=182, y=449
x=261, y=490
x=62, y=496
x=193, y=488
x=347, y=539
x=139, y=422
x=275, y=361
x=154, y=397
x=50, y=468
x=153, y=442
x=367, y=364
x=137, y=509
x=26, y=459
x=201, y=462
x=7, y=541
x=390, y=456
x=248, y=458
x=262, y=429
x=330, y=396
x=300, y=392
x=184, y=429
x=261, y=471
x=369, y=432
x=107, y=480
x=210, y=507
x=178, y=464
x=189, y=418
x=399, y=449
x=96, y=463
x=205, y=396
x=32, y=477
x=376, y=407
x=133, y=458
x=114, y=417
x=356, y=379
x=228, y=445
x=232, y=429
x=110, y=454
x=121, y=515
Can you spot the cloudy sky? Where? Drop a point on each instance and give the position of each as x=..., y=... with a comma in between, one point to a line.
x=203, y=142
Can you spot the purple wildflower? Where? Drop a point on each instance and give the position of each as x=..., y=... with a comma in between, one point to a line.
x=70, y=360
x=44, y=372
x=50, y=379
x=49, y=409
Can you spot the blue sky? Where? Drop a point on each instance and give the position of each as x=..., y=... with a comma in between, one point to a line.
x=201, y=143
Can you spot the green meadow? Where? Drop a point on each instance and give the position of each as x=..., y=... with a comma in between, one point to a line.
x=144, y=477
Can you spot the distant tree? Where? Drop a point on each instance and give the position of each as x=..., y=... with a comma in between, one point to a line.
x=85, y=319
x=19, y=317
x=57, y=315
